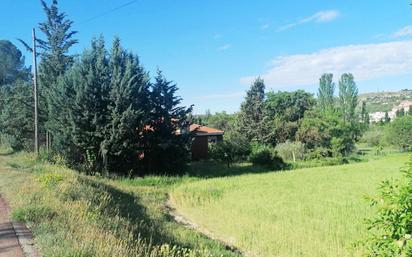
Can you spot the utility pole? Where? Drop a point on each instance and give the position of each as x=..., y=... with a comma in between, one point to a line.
x=36, y=121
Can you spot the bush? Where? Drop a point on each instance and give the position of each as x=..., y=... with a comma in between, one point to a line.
x=390, y=231
x=374, y=137
x=233, y=148
x=266, y=156
x=291, y=151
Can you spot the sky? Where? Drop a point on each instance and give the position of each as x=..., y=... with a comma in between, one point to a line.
x=214, y=49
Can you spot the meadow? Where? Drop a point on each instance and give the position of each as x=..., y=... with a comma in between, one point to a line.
x=312, y=212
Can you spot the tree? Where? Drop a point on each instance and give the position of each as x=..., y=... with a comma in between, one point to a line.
x=364, y=115
x=251, y=116
x=55, y=61
x=400, y=112
x=399, y=133
x=326, y=92
x=128, y=107
x=89, y=113
x=16, y=116
x=284, y=110
x=348, y=98
x=11, y=64
x=167, y=147
x=410, y=110
x=387, y=119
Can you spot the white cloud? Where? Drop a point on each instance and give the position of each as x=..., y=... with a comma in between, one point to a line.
x=224, y=47
x=403, y=32
x=366, y=62
x=221, y=96
x=319, y=17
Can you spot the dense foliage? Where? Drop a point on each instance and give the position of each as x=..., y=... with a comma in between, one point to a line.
x=399, y=133
x=390, y=229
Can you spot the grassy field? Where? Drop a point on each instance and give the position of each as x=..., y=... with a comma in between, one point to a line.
x=314, y=212
x=72, y=215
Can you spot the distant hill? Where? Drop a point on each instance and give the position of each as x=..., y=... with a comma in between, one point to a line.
x=385, y=101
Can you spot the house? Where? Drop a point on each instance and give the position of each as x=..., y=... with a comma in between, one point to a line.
x=202, y=136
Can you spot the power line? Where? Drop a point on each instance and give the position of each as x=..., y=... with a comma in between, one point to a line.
x=108, y=12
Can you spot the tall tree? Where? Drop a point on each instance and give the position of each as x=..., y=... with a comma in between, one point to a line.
x=89, y=113
x=55, y=61
x=167, y=139
x=251, y=116
x=364, y=114
x=11, y=64
x=326, y=92
x=348, y=98
x=285, y=110
x=128, y=110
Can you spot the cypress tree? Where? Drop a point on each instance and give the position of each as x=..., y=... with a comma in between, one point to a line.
x=89, y=112
x=128, y=107
x=55, y=61
x=167, y=139
x=251, y=116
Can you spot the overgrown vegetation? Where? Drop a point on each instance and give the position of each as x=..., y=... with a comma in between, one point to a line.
x=390, y=228
x=76, y=215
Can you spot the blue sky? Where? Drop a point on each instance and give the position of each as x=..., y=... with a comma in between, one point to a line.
x=213, y=49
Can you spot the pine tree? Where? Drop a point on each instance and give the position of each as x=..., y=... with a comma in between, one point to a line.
x=16, y=116
x=251, y=116
x=326, y=93
x=11, y=64
x=168, y=139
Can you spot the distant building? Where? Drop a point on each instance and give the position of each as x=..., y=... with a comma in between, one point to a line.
x=202, y=137
x=378, y=116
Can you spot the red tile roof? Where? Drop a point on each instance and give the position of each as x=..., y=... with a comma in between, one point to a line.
x=200, y=130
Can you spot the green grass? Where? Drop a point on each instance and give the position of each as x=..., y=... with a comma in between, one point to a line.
x=76, y=215
x=314, y=212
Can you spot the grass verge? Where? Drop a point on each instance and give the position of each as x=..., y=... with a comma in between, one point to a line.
x=72, y=215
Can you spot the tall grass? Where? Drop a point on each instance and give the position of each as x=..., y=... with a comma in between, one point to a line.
x=76, y=215
x=315, y=212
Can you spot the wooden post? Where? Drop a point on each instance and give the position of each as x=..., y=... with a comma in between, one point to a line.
x=36, y=124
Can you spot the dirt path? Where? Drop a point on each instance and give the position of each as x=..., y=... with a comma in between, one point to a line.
x=15, y=239
x=9, y=242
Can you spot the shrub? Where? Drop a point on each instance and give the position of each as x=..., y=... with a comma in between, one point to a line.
x=374, y=137
x=390, y=231
x=230, y=150
x=291, y=151
x=266, y=156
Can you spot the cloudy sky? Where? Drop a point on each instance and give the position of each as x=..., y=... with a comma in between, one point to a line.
x=214, y=49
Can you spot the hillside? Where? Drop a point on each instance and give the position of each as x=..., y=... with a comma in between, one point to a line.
x=385, y=101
